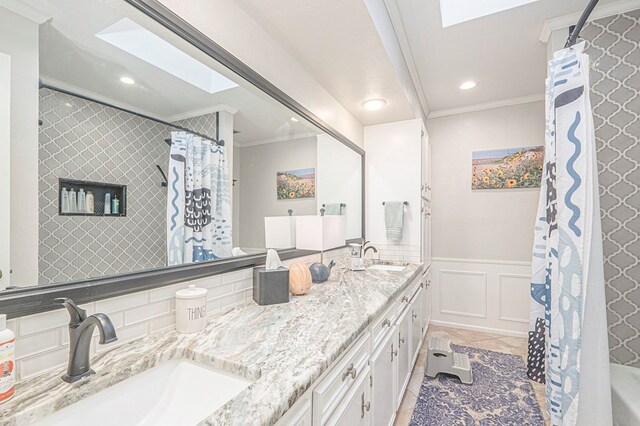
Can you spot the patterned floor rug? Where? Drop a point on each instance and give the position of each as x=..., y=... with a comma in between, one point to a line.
x=500, y=394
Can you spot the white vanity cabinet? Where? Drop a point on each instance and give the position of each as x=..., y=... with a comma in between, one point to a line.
x=366, y=384
x=355, y=409
x=384, y=368
x=426, y=295
x=416, y=325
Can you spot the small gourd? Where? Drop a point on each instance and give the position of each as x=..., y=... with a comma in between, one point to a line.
x=299, y=279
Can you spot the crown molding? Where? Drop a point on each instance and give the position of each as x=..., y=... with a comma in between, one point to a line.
x=274, y=140
x=202, y=111
x=489, y=105
x=26, y=11
x=601, y=11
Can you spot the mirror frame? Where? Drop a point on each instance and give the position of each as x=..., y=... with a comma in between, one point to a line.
x=39, y=298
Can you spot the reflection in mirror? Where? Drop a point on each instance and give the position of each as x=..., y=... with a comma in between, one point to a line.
x=139, y=151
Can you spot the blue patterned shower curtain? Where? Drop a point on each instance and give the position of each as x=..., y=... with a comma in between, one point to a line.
x=568, y=347
x=198, y=201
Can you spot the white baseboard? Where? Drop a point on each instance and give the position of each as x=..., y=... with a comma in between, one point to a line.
x=479, y=328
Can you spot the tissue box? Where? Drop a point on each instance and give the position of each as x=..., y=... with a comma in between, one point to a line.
x=270, y=286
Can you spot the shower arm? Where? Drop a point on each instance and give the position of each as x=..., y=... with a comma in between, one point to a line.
x=575, y=33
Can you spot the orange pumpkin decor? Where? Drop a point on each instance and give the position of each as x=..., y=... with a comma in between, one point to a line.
x=299, y=279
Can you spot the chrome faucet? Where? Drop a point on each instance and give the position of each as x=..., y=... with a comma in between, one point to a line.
x=80, y=331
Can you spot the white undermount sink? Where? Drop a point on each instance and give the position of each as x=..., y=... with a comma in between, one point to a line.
x=395, y=267
x=178, y=392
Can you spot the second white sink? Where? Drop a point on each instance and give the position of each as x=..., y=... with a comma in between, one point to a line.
x=178, y=392
x=384, y=267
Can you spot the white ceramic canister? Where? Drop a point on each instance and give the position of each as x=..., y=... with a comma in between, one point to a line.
x=191, y=309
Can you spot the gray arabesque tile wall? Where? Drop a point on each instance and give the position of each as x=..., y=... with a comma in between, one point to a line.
x=84, y=140
x=613, y=45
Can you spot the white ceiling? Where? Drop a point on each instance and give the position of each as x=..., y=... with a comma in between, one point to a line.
x=72, y=57
x=500, y=51
x=337, y=43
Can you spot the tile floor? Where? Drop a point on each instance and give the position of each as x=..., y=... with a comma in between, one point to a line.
x=475, y=339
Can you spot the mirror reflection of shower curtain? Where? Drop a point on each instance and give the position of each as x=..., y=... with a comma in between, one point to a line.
x=198, y=201
x=568, y=346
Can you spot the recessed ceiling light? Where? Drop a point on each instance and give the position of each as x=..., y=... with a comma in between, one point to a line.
x=374, y=104
x=468, y=85
x=294, y=119
x=127, y=80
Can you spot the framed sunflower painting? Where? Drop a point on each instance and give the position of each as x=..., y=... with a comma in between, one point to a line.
x=507, y=168
x=294, y=184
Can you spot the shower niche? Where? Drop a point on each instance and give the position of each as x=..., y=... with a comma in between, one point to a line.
x=73, y=205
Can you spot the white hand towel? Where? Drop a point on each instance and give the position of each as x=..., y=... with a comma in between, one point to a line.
x=394, y=219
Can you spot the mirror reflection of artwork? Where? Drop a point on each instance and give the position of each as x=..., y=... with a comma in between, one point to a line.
x=294, y=184
x=507, y=168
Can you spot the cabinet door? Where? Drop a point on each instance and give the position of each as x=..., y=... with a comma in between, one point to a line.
x=355, y=408
x=426, y=301
x=416, y=326
x=383, y=383
x=403, y=335
x=299, y=414
x=426, y=233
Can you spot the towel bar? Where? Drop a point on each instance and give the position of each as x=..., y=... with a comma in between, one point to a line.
x=406, y=203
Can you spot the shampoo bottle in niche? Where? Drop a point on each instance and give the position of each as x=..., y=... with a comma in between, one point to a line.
x=73, y=204
x=115, y=205
x=64, y=196
x=82, y=201
x=107, y=203
x=191, y=309
x=90, y=205
x=7, y=360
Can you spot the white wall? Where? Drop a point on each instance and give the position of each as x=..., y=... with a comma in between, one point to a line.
x=19, y=39
x=339, y=180
x=482, y=224
x=393, y=173
x=5, y=170
x=228, y=25
x=257, y=185
x=482, y=240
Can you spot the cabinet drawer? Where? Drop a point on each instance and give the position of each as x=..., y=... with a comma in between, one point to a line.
x=383, y=324
x=329, y=393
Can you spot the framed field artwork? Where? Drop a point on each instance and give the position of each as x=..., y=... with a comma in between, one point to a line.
x=293, y=184
x=507, y=168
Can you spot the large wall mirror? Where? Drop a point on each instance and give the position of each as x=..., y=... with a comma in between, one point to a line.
x=132, y=150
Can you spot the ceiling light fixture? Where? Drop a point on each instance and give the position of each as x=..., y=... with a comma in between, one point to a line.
x=468, y=85
x=294, y=119
x=374, y=104
x=127, y=80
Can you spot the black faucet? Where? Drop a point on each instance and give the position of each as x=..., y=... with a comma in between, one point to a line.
x=364, y=252
x=80, y=331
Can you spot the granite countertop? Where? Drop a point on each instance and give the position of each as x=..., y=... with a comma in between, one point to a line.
x=282, y=348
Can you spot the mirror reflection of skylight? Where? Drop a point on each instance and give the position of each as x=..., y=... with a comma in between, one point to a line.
x=142, y=43
x=458, y=11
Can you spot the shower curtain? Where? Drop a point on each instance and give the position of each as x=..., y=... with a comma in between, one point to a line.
x=568, y=347
x=198, y=201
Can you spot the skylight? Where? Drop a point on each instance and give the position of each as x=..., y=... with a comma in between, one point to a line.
x=458, y=11
x=143, y=44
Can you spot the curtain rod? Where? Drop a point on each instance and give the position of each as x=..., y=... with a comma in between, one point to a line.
x=148, y=117
x=575, y=33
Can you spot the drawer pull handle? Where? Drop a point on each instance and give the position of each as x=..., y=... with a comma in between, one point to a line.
x=405, y=299
x=415, y=315
x=386, y=323
x=351, y=371
x=365, y=407
x=401, y=340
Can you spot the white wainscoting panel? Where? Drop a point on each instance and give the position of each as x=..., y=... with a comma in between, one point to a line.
x=483, y=295
x=514, y=299
x=466, y=293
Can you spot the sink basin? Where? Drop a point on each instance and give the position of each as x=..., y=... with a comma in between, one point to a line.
x=178, y=392
x=388, y=266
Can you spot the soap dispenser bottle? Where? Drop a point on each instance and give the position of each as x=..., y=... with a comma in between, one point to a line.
x=115, y=205
x=7, y=360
